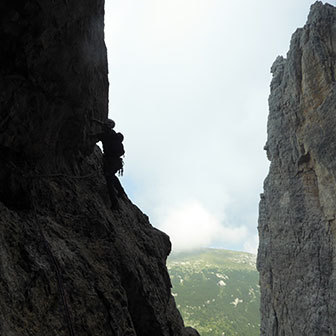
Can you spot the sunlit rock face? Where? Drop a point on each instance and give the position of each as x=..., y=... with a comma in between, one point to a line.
x=297, y=218
x=68, y=264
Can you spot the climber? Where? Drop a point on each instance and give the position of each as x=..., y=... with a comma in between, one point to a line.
x=113, y=162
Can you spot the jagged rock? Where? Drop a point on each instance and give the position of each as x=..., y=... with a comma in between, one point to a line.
x=297, y=225
x=68, y=264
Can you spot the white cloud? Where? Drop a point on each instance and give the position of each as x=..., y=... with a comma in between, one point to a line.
x=251, y=244
x=191, y=226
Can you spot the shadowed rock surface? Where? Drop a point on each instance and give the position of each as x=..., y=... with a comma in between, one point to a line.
x=68, y=264
x=297, y=226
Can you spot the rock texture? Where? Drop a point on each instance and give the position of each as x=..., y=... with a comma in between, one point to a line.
x=297, y=219
x=68, y=264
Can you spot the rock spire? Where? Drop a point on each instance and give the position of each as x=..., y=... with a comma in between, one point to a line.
x=297, y=218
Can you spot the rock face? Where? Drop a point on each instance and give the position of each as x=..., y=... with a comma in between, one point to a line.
x=297, y=219
x=68, y=264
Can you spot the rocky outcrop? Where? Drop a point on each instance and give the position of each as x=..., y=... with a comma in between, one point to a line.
x=69, y=265
x=297, y=218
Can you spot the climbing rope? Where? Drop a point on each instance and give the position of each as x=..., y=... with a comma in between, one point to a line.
x=99, y=121
x=29, y=175
x=65, y=175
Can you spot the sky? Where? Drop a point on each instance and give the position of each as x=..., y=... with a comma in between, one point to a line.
x=189, y=84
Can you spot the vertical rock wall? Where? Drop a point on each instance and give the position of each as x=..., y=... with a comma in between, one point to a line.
x=53, y=69
x=297, y=218
x=68, y=264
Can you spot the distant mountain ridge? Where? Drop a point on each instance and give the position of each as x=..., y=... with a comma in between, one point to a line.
x=217, y=291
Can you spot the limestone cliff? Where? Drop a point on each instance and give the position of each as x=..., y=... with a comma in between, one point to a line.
x=297, y=219
x=68, y=264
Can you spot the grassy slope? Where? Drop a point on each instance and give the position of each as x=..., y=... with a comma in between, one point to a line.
x=217, y=291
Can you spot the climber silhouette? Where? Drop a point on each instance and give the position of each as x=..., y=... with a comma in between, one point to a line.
x=113, y=162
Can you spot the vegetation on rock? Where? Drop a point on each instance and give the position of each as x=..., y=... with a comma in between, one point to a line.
x=217, y=291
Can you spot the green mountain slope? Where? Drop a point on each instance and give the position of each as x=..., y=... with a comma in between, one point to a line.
x=217, y=291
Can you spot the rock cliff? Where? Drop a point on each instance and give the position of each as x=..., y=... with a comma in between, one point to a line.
x=68, y=264
x=297, y=218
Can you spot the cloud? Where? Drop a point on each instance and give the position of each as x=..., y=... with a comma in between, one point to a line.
x=251, y=244
x=191, y=226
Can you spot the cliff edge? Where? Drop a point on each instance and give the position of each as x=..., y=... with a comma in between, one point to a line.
x=68, y=264
x=297, y=218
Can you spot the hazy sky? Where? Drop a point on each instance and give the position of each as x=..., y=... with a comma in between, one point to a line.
x=189, y=83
